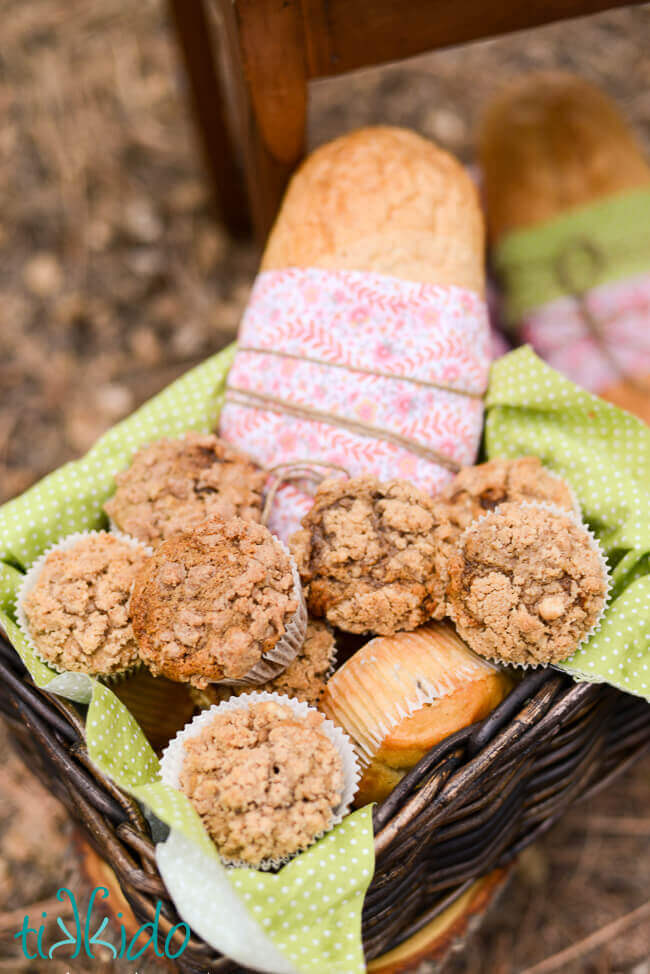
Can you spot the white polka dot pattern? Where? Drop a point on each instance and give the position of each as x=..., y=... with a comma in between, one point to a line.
x=307, y=918
x=604, y=453
x=71, y=498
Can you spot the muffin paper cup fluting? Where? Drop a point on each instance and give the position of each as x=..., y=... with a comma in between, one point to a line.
x=173, y=758
x=31, y=578
x=276, y=660
x=213, y=693
x=369, y=700
x=595, y=546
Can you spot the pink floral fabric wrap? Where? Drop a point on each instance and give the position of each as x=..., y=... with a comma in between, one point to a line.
x=559, y=334
x=371, y=373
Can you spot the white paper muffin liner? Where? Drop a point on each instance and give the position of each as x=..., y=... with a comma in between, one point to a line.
x=173, y=758
x=31, y=578
x=370, y=709
x=204, y=698
x=595, y=546
x=276, y=660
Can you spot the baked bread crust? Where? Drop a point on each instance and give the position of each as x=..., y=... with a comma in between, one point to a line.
x=386, y=200
x=551, y=142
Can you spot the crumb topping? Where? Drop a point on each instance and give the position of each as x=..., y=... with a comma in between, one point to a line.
x=211, y=602
x=174, y=485
x=305, y=677
x=477, y=490
x=366, y=551
x=526, y=585
x=265, y=781
x=78, y=610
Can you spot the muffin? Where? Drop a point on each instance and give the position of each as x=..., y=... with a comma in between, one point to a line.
x=482, y=488
x=221, y=603
x=304, y=678
x=399, y=696
x=528, y=584
x=266, y=774
x=74, y=604
x=366, y=554
x=173, y=486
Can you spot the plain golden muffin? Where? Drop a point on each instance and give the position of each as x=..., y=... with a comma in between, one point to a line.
x=385, y=200
x=400, y=695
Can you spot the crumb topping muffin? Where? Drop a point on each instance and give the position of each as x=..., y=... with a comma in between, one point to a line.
x=477, y=490
x=172, y=486
x=77, y=612
x=264, y=780
x=211, y=602
x=527, y=584
x=482, y=488
x=305, y=677
x=366, y=551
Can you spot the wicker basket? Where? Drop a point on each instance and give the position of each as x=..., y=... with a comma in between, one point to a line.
x=469, y=806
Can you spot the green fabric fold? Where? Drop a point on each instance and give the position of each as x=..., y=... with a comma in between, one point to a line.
x=608, y=240
x=604, y=453
x=307, y=918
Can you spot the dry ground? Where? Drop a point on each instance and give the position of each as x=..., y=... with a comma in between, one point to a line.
x=114, y=278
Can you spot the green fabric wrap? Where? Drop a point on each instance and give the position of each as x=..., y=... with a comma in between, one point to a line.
x=307, y=918
x=608, y=240
x=604, y=453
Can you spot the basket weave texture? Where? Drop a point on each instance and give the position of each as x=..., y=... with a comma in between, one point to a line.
x=471, y=805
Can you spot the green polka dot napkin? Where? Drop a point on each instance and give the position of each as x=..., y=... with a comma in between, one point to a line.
x=602, y=241
x=604, y=453
x=307, y=918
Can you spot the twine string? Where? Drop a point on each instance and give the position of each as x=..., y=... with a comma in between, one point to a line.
x=567, y=269
x=291, y=471
x=362, y=370
x=256, y=400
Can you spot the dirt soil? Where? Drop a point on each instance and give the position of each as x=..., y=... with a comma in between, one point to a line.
x=115, y=277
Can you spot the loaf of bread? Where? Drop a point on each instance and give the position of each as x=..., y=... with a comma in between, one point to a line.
x=550, y=142
x=385, y=200
x=551, y=146
x=365, y=345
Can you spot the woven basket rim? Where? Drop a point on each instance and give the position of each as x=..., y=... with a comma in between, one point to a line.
x=469, y=806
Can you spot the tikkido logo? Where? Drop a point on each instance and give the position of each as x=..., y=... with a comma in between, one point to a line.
x=81, y=938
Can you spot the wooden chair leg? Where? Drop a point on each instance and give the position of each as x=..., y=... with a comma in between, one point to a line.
x=208, y=102
x=264, y=45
